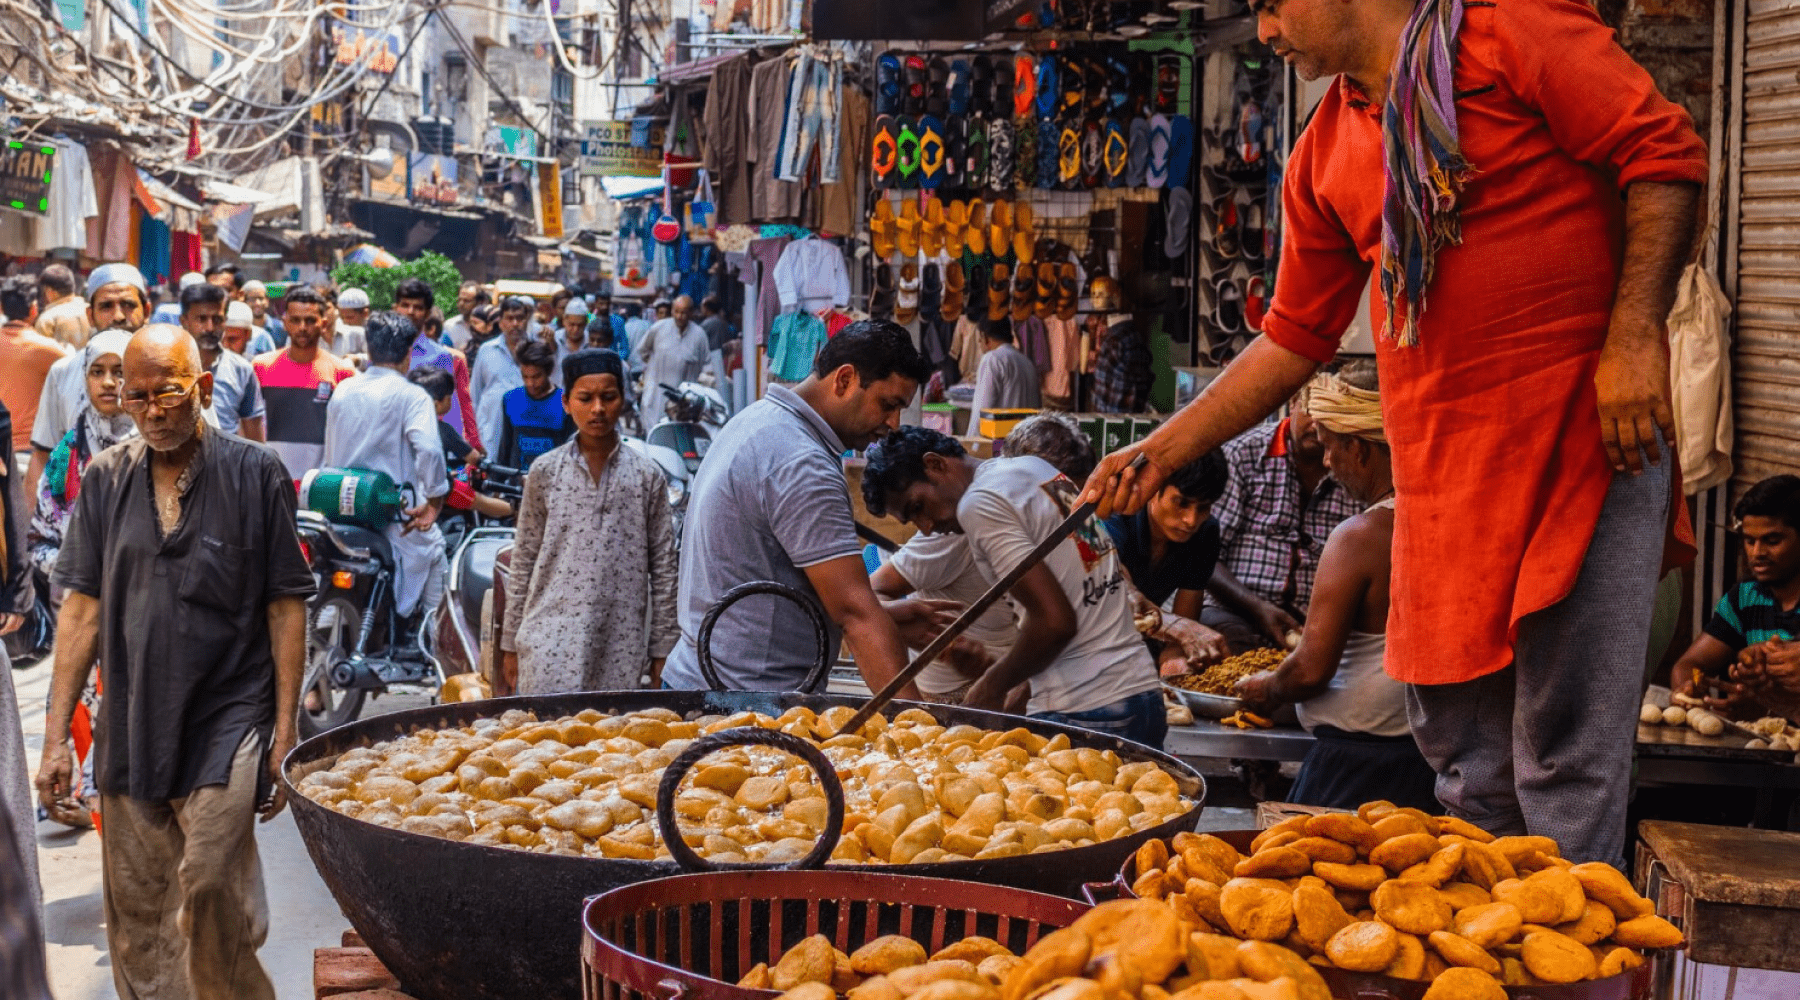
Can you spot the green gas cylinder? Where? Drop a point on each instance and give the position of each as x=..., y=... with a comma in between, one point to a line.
x=358, y=496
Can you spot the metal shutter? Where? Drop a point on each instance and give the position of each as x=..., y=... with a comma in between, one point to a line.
x=1766, y=197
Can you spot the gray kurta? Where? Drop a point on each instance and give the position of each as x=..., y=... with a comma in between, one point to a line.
x=591, y=598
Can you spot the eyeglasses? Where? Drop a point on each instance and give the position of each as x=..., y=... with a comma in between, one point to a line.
x=167, y=399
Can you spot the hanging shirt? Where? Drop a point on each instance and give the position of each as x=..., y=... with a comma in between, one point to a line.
x=810, y=276
x=295, y=398
x=794, y=342
x=1493, y=417
x=530, y=427
x=72, y=200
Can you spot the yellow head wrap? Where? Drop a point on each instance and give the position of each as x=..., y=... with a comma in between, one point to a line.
x=1342, y=408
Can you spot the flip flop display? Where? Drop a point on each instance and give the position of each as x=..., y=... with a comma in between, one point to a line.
x=959, y=86
x=1048, y=93
x=999, y=293
x=906, y=228
x=937, y=92
x=1045, y=304
x=1229, y=314
x=981, y=86
x=1137, y=156
x=906, y=303
x=1181, y=149
x=1024, y=84
x=1256, y=303
x=931, y=290
x=916, y=78
x=953, y=292
x=978, y=155
x=1068, y=292
x=1068, y=156
x=1025, y=152
x=888, y=84
x=1157, y=176
x=1180, y=215
x=1115, y=154
x=975, y=302
x=1254, y=231
x=883, y=228
x=1048, y=155
x=1024, y=293
x=881, y=300
x=931, y=228
x=1093, y=166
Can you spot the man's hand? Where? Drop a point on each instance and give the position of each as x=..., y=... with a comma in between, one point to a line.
x=1739, y=702
x=968, y=658
x=1633, y=387
x=656, y=669
x=10, y=623
x=1274, y=622
x=56, y=773
x=919, y=620
x=421, y=518
x=1194, y=642
x=1171, y=662
x=1780, y=667
x=279, y=747
x=1120, y=489
x=1258, y=690
x=987, y=694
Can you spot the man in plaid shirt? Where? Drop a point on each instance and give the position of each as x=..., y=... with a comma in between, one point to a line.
x=1279, y=507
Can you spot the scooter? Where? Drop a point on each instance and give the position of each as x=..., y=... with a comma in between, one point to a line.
x=693, y=415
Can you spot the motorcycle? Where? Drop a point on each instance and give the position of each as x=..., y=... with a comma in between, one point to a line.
x=692, y=416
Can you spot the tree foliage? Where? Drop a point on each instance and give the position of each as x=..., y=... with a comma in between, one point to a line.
x=434, y=268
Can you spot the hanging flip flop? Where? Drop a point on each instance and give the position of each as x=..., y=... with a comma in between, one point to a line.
x=981, y=85
x=1256, y=303
x=1118, y=85
x=1250, y=129
x=1180, y=218
x=931, y=228
x=931, y=290
x=1044, y=302
x=959, y=86
x=1093, y=166
x=1000, y=156
x=975, y=281
x=884, y=152
x=883, y=228
x=1168, y=84
x=937, y=87
x=917, y=78
x=1157, y=176
x=1024, y=91
x=1024, y=231
x=978, y=155
x=1024, y=289
x=956, y=153
x=1115, y=154
x=1068, y=155
x=1074, y=85
x=1000, y=104
x=1228, y=313
x=999, y=293
x=1000, y=231
x=1068, y=293
x=1049, y=94
x=1227, y=237
x=888, y=84
x=906, y=303
x=931, y=152
x=1095, y=80
x=1181, y=150
x=1025, y=152
x=906, y=227
x=953, y=292
x=1048, y=154
x=975, y=233
x=1137, y=156
x=881, y=300
x=906, y=152
x=956, y=219
x=1255, y=232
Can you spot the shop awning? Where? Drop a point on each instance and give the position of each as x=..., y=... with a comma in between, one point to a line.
x=627, y=188
x=234, y=194
x=689, y=72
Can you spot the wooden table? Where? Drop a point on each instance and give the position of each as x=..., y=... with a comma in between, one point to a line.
x=1736, y=895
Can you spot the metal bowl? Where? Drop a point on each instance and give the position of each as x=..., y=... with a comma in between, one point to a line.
x=1205, y=706
x=459, y=921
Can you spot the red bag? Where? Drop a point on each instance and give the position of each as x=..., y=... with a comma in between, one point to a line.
x=666, y=228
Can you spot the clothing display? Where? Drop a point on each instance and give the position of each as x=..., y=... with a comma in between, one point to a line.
x=794, y=341
x=64, y=225
x=810, y=275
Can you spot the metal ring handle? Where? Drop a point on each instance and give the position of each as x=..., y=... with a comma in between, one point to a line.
x=821, y=671
x=705, y=746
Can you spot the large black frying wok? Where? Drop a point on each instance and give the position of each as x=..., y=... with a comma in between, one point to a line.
x=457, y=921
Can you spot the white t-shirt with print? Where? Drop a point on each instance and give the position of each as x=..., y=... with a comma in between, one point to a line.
x=1012, y=505
x=942, y=568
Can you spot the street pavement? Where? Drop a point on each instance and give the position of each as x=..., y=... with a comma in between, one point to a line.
x=302, y=914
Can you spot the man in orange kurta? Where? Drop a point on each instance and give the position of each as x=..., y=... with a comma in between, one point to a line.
x=1534, y=491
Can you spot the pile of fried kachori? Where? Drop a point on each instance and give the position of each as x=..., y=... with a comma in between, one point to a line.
x=915, y=791
x=1402, y=893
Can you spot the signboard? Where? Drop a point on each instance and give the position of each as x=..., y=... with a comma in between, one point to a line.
x=431, y=178
x=353, y=43
x=550, y=195
x=25, y=170
x=607, y=150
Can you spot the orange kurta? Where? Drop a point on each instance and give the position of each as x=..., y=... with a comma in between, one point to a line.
x=1493, y=418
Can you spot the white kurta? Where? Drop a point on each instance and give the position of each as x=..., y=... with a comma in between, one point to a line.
x=381, y=422
x=671, y=356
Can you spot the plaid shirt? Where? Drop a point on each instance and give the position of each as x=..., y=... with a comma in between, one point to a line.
x=1122, y=367
x=1270, y=533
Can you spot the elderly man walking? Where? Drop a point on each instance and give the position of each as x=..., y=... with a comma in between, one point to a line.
x=1513, y=161
x=195, y=605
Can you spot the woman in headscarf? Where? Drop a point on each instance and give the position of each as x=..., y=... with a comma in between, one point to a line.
x=100, y=423
x=590, y=602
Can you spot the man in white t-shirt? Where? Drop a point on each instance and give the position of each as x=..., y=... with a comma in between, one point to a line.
x=1077, y=644
x=942, y=568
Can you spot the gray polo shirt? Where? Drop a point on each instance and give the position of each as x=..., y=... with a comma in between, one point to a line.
x=769, y=501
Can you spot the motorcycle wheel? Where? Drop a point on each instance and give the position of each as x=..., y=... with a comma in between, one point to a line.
x=332, y=634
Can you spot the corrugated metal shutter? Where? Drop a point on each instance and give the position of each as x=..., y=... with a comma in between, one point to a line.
x=1766, y=368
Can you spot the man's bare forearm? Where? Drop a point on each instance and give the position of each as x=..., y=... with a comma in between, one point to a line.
x=77, y=638
x=1265, y=376
x=1659, y=237
x=287, y=642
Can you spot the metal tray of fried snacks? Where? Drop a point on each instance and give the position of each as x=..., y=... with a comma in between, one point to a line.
x=1205, y=706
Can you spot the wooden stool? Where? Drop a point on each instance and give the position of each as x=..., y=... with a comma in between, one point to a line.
x=1736, y=895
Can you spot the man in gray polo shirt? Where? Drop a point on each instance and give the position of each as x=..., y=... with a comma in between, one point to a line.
x=770, y=503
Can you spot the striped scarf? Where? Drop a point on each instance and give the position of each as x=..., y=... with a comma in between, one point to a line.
x=1424, y=164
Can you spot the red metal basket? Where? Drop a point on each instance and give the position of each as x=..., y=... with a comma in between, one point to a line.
x=697, y=935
